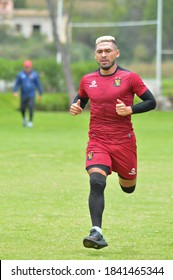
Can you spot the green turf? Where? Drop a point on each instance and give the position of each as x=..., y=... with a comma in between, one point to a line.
x=44, y=191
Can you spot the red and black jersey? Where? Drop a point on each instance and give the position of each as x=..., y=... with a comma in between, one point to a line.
x=103, y=92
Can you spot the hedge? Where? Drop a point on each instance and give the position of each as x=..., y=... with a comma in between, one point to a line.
x=49, y=102
x=51, y=73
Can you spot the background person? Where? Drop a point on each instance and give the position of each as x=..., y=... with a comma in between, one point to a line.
x=112, y=143
x=28, y=81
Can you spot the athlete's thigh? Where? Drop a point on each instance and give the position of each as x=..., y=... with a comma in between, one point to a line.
x=96, y=153
x=124, y=160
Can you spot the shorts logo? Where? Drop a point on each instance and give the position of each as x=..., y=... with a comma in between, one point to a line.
x=117, y=82
x=90, y=155
x=132, y=172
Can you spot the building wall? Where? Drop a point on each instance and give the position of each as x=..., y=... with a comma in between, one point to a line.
x=27, y=24
x=26, y=21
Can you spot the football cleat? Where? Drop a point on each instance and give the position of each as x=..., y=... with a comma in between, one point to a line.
x=30, y=124
x=95, y=240
x=24, y=122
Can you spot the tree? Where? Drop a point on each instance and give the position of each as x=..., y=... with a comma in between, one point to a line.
x=19, y=4
x=63, y=49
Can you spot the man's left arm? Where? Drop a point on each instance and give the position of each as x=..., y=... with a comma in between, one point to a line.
x=38, y=86
x=148, y=103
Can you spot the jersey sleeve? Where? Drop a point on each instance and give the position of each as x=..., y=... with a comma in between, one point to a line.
x=137, y=85
x=81, y=90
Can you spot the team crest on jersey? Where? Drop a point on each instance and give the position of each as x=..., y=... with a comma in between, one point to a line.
x=117, y=82
x=90, y=155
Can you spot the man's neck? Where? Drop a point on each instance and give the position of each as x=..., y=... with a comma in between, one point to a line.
x=108, y=71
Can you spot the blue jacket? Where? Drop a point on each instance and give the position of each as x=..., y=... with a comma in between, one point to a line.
x=28, y=83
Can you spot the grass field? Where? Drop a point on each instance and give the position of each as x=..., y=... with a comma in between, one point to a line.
x=44, y=191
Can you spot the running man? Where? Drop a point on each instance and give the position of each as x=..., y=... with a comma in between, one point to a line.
x=112, y=143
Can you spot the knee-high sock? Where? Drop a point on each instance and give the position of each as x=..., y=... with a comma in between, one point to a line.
x=96, y=198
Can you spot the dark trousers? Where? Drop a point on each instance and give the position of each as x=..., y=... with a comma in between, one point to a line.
x=27, y=103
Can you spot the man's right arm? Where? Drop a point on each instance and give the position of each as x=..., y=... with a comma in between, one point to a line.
x=83, y=101
x=16, y=86
x=15, y=94
x=78, y=105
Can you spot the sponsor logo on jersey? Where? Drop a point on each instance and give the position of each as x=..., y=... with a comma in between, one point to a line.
x=93, y=84
x=117, y=82
x=90, y=155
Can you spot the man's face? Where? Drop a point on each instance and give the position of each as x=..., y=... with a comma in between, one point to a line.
x=27, y=69
x=106, y=54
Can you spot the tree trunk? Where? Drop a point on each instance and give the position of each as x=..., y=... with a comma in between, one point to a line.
x=63, y=49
